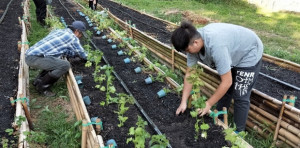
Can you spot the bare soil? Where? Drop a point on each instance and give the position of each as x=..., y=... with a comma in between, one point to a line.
x=10, y=34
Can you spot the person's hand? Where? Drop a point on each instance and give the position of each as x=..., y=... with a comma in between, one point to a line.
x=181, y=108
x=204, y=111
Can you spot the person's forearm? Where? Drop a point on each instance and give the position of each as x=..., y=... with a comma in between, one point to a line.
x=220, y=92
x=226, y=82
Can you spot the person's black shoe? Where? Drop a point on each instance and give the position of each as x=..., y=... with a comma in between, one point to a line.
x=46, y=82
x=38, y=79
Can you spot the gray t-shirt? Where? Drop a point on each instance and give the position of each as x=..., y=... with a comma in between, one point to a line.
x=227, y=46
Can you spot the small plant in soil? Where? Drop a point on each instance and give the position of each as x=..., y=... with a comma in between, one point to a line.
x=159, y=77
x=123, y=100
x=139, y=133
x=9, y=143
x=36, y=137
x=235, y=139
x=158, y=141
x=198, y=101
x=101, y=74
x=149, y=68
x=198, y=104
x=110, y=88
x=139, y=57
x=178, y=89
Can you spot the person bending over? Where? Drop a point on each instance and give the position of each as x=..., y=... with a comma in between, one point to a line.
x=234, y=51
x=46, y=55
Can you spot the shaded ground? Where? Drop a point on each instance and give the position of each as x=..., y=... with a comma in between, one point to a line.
x=178, y=129
x=265, y=85
x=10, y=34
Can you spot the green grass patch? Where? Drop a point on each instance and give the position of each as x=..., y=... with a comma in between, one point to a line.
x=278, y=30
x=53, y=118
x=54, y=130
x=37, y=32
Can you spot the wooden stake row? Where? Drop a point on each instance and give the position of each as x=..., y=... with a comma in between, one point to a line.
x=89, y=137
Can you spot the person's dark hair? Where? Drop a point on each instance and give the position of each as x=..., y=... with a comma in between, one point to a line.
x=183, y=35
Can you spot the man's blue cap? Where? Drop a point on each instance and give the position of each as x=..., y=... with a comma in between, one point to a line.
x=79, y=25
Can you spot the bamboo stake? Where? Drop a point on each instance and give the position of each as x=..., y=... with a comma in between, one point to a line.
x=216, y=117
x=206, y=92
x=84, y=134
x=173, y=60
x=261, y=119
x=275, y=101
x=190, y=99
x=282, y=131
x=287, y=141
x=279, y=119
x=72, y=100
x=27, y=114
x=255, y=127
x=98, y=127
x=83, y=108
x=291, y=137
x=292, y=98
x=288, y=113
x=225, y=116
x=292, y=116
x=212, y=85
x=284, y=124
x=100, y=139
x=91, y=139
x=130, y=31
x=12, y=101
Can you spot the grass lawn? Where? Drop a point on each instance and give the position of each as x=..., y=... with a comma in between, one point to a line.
x=280, y=32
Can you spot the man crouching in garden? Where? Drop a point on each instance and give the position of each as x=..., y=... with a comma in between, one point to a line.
x=46, y=55
x=234, y=51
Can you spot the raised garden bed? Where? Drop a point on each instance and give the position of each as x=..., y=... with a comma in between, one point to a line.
x=10, y=31
x=161, y=111
x=144, y=23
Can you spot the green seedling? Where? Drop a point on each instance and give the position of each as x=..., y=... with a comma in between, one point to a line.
x=139, y=133
x=9, y=131
x=158, y=141
x=235, y=139
x=198, y=101
x=20, y=120
x=123, y=100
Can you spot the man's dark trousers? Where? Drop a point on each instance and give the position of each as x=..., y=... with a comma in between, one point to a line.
x=40, y=11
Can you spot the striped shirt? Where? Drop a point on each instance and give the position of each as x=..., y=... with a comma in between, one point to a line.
x=58, y=43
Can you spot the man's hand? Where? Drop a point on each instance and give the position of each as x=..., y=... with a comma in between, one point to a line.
x=204, y=111
x=181, y=108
